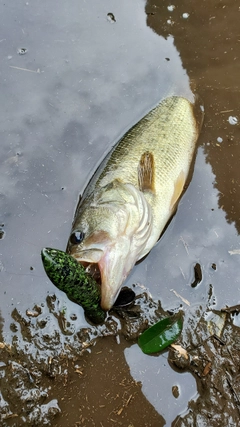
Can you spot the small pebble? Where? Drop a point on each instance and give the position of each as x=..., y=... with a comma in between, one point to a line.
x=185, y=15
x=171, y=8
x=219, y=139
x=175, y=391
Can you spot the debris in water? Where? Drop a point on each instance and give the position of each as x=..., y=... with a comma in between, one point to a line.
x=197, y=274
x=111, y=18
x=2, y=232
x=181, y=351
x=233, y=120
x=184, y=244
x=22, y=51
x=207, y=369
x=215, y=322
x=175, y=391
x=161, y=334
x=179, y=356
x=38, y=71
x=234, y=252
x=179, y=296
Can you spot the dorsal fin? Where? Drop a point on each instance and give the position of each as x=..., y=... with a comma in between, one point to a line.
x=146, y=172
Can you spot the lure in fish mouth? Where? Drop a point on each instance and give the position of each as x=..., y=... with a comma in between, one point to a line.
x=134, y=192
x=112, y=233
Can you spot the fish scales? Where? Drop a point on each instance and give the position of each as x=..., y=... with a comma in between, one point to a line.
x=134, y=192
x=156, y=134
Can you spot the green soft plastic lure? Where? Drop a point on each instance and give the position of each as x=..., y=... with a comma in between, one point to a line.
x=70, y=277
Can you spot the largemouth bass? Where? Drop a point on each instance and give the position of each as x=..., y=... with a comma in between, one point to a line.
x=134, y=192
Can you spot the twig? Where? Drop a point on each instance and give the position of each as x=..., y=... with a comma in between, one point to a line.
x=179, y=296
x=232, y=309
x=184, y=244
x=225, y=111
x=25, y=69
x=232, y=388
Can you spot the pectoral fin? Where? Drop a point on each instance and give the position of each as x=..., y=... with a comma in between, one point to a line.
x=178, y=188
x=146, y=172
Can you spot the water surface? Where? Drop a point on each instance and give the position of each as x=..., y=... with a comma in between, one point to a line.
x=73, y=81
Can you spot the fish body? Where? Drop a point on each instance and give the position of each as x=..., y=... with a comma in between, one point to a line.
x=134, y=192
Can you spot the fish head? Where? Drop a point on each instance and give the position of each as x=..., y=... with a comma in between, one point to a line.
x=106, y=233
x=105, y=247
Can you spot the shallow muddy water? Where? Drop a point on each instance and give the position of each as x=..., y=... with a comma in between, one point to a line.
x=73, y=80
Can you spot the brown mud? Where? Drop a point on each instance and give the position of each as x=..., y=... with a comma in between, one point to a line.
x=87, y=381
x=74, y=79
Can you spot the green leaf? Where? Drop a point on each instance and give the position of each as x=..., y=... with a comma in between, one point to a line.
x=160, y=335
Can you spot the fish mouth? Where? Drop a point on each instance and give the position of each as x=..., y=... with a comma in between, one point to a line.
x=107, y=267
x=97, y=273
x=94, y=271
x=89, y=260
x=90, y=256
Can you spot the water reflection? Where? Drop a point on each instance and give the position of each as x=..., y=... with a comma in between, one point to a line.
x=198, y=233
x=214, y=78
x=166, y=390
x=58, y=123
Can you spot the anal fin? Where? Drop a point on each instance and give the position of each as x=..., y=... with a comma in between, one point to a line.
x=146, y=172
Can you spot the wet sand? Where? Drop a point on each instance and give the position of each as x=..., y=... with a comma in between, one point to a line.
x=82, y=81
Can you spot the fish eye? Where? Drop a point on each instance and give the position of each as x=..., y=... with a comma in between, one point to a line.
x=77, y=237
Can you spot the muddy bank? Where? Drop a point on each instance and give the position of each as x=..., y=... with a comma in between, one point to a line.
x=214, y=362
x=43, y=376
x=41, y=368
